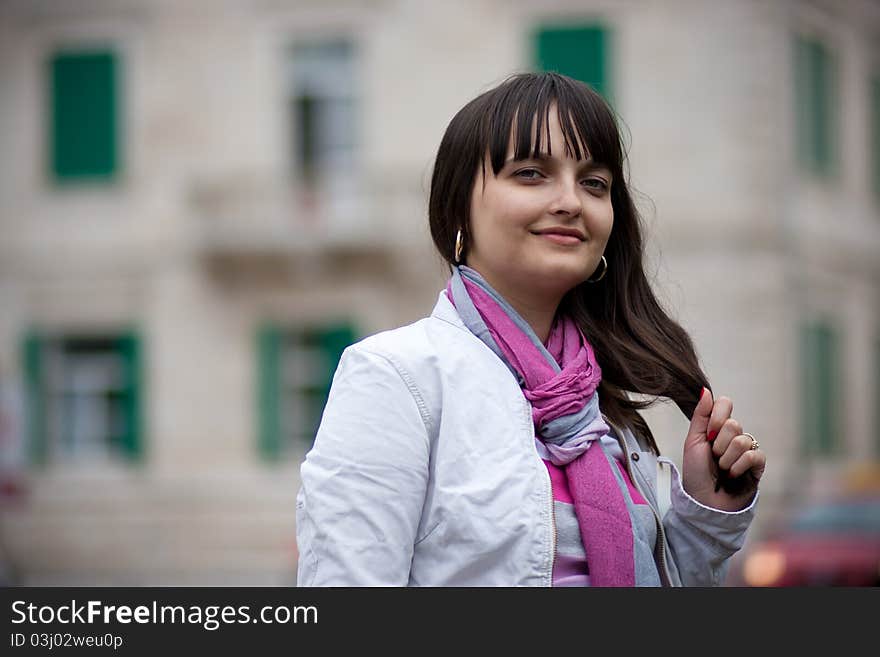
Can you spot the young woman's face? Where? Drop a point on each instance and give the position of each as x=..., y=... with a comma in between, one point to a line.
x=511, y=216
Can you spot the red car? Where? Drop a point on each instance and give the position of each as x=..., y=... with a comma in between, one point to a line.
x=833, y=543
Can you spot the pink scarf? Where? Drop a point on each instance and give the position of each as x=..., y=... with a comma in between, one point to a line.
x=560, y=381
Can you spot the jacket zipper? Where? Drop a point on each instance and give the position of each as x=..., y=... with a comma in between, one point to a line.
x=554, y=535
x=555, y=532
x=664, y=570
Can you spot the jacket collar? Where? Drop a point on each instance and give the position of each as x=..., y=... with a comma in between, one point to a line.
x=444, y=310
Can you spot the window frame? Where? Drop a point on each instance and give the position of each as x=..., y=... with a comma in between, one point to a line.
x=820, y=364
x=313, y=176
x=816, y=81
x=42, y=394
x=272, y=339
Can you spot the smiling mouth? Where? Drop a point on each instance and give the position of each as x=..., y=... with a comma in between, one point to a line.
x=561, y=238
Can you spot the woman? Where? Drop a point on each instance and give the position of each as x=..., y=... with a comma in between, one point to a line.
x=494, y=442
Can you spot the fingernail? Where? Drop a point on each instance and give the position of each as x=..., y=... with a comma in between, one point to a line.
x=702, y=392
x=712, y=434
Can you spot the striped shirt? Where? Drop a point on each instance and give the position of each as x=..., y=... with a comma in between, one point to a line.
x=570, y=567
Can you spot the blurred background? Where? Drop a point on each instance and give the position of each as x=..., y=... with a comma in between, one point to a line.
x=203, y=202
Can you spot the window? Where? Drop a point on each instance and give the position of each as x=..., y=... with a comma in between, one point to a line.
x=820, y=389
x=83, y=398
x=579, y=52
x=296, y=368
x=815, y=103
x=875, y=132
x=876, y=417
x=322, y=110
x=84, y=112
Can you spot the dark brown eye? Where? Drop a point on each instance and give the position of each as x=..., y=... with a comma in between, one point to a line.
x=527, y=171
x=596, y=183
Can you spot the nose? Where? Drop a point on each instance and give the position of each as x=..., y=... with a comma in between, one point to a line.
x=568, y=200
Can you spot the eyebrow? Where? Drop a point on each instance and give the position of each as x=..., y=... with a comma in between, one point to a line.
x=544, y=157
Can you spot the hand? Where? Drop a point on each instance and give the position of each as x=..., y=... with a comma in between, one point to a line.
x=727, y=450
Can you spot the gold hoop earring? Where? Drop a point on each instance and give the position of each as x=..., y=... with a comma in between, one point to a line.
x=602, y=275
x=458, y=247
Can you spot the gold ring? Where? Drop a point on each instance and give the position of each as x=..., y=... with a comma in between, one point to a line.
x=755, y=443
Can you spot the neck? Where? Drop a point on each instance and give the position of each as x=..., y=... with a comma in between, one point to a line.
x=538, y=313
x=537, y=308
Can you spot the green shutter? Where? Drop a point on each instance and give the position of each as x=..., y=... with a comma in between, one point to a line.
x=306, y=112
x=815, y=103
x=84, y=115
x=269, y=391
x=876, y=417
x=875, y=132
x=332, y=341
x=580, y=52
x=820, y=378
x=35, y=398
x=131, y=352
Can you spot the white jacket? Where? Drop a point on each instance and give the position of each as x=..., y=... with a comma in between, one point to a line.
x=424, y=472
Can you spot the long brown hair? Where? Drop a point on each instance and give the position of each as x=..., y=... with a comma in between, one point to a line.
x=638, y=346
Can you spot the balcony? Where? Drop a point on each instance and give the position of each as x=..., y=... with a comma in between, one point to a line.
x=248, y=217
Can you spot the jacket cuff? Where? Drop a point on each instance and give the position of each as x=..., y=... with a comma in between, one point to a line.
x=726, y=526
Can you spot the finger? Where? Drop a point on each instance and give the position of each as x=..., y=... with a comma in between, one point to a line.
x=721, y=410
x=738, y=446
x=754, y=460
x=700, y=418
x=730, y=429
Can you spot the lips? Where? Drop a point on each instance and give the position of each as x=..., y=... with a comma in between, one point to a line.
x=558, y=230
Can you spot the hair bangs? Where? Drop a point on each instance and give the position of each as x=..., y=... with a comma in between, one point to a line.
x=521, y=114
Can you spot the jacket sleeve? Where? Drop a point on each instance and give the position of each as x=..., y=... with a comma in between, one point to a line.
x=700, y=538
x=363, y=483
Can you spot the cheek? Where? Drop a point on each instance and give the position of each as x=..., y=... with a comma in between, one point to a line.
x=604, y=222
x=504, y=213
x=608, y=226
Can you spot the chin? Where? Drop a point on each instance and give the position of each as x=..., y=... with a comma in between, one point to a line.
x=561, y=279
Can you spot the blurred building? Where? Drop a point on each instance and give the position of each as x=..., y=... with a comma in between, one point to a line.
x=202, y=203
